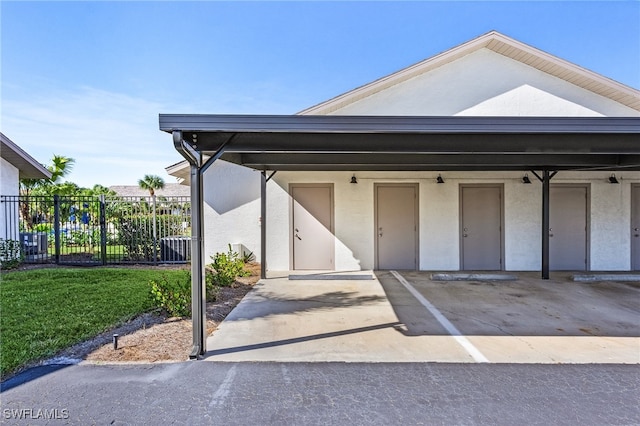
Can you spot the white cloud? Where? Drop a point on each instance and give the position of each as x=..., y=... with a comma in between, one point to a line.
x=113, y=137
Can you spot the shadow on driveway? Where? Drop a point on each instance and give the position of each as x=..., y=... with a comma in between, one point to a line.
x=526, y=307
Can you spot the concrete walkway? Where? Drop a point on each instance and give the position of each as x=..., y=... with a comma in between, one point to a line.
x=408, y=317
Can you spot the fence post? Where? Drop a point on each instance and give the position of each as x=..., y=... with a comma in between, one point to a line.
x=56, y=226
x=103, y=230
x=155, y=232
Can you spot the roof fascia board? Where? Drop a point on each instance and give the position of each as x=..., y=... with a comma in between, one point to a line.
x=25, y=163
x=562, y=63
x=193, y=123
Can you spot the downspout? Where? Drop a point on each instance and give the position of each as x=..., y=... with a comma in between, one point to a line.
x=198, y=283
x=198, y=293
x=263, y=222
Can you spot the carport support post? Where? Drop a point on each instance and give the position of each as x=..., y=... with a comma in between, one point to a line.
x=263, y=224
x=545, y=224
x=545, y=179
x=198, y=292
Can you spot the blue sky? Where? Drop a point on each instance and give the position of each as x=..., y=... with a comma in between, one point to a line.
x=88, y=79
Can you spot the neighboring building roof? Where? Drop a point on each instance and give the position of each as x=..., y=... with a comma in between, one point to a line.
x=27, y=166
x=169, y=190
x=503, y=45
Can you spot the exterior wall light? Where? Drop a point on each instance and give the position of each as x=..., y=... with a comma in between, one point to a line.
x=353, y=179
x=526, y=179
x=612, y=178
x=439, y=179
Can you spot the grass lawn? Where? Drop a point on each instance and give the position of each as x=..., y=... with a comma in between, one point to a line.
x=46, y=310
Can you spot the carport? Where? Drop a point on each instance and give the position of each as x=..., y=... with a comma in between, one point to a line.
x=269, y=143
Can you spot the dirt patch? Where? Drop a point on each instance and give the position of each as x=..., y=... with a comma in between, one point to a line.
x=153, y=337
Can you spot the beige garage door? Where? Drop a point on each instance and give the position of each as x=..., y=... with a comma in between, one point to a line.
x=312, y=233
x=635, y=227
x=481, y=227
x=568, y=227
x=396, y=226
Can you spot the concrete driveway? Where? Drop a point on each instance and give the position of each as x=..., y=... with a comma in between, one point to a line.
x=407, y=317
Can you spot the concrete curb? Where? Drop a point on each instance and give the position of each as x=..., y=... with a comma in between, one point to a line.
x=606, y=277
x=329, y=277
x=473, y=277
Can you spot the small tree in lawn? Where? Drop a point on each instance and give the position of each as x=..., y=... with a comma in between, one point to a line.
x=151, y=183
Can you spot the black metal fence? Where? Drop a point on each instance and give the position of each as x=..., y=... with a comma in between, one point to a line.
x=95, y=230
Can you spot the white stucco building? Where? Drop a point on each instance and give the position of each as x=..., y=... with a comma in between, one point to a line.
x=443, y=219
x=15, y=164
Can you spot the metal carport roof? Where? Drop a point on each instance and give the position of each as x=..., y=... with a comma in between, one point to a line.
x=329, y=142
x=333, y=142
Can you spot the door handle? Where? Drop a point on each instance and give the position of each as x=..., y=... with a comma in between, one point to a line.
x=380, y=231
x=298, y=237
x=465, y=235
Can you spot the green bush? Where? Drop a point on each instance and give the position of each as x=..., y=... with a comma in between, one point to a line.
x=174, y=296
x=10, y=254
x=135, y=233
x=43, y=227
x=213, y=290
x=226, y=268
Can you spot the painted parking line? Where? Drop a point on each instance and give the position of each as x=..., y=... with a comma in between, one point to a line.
x=223, y=391
x=451, y=329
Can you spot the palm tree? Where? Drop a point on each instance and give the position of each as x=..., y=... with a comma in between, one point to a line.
x=60, y=167
x=151, y=183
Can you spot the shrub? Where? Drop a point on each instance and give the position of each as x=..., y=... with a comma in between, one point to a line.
x=226, y=268
x=135, y=233
x=213, y=290
x=174, y=296
x=248, y=257
x=10, y=254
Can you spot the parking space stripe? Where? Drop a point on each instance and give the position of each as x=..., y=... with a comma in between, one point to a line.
x=451, y=329
x=225, y=388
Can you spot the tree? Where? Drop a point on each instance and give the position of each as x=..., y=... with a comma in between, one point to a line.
x=60, y=167
x=151, y=183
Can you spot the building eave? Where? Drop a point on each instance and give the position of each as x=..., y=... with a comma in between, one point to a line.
x=27, y=166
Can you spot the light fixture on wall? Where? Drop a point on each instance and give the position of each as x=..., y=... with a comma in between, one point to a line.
x=525, y=178
x=439, y=179
x=612, y=178
x=353, y=179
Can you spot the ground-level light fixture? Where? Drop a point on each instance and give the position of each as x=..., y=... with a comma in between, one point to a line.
x=439, y=179
x=525, y=178
x=612, y=178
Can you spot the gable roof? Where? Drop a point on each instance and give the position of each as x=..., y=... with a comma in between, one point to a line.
x=503, y=45
x=27, y=166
